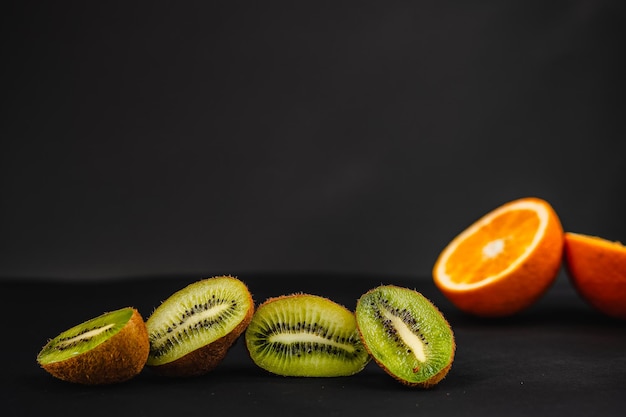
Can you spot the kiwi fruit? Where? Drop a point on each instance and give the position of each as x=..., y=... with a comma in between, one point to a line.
x=305, y=335
x=191, y=332
x=107, y=349
x=406, y=334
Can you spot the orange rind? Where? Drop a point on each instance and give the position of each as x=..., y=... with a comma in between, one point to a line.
x=597, y=269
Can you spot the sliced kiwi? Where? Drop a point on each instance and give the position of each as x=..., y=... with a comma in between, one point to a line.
x=305, y=335
x=406, y=335
x=191, y=332
x=107, y=349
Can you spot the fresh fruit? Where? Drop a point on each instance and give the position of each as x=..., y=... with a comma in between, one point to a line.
x=505, y=261
x=191, y=332
x=597, y=269
x=305, y=335
x=406, y=334
x=104, y=350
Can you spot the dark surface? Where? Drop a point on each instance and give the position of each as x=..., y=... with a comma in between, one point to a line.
x=557, y=358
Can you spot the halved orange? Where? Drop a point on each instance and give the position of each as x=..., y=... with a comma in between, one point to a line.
x=504, y=261
x=597, y=269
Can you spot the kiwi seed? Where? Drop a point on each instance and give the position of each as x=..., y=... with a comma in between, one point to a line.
x=104, y=350
x=305, y=335
x=191, y=332
x=406, y=335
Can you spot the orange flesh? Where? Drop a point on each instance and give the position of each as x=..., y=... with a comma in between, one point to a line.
x=492, y=249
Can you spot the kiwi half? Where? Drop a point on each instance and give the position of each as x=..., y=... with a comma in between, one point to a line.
x=191, y=332
x=107, y=349
x=305, y=335
x=406, y=335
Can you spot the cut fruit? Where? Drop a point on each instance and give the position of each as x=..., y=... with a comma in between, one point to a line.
x=192, y=331
x=305, y=335
x=406, y=334
x=107, y=349
x=597, y=269
x=505, y=261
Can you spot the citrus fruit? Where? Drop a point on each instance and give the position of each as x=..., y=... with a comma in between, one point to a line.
x=503, y=262
x=597, y=269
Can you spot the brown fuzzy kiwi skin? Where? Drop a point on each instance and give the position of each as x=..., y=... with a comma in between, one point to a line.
x=429, y=383
x=285, y=296
x=205, y=359
x=116, y=360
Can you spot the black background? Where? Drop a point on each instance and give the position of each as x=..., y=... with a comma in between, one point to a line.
x=324, y=147
x=161, y=138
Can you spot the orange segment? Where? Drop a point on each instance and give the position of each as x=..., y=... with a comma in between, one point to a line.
x=497, y=246
x=504, y=261
x=597, y=269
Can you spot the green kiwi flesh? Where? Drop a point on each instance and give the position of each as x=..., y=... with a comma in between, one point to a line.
x=305, y=335
x=192, y=330
x=110, y=348
x=406, y=335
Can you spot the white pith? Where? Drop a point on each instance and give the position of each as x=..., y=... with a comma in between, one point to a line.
x=493, y=249
x=86, y=335
x=537, y=208
x=408, y=337
x=303, y=337
x=210, y=313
